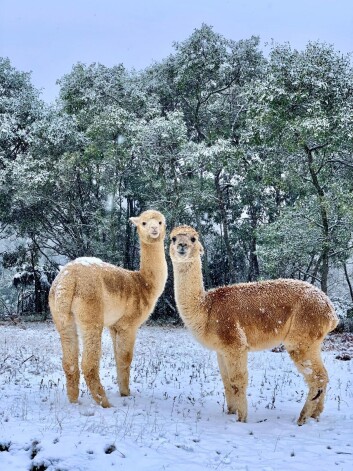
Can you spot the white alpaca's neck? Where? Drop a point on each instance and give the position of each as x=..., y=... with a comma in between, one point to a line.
x=190, y=293
x=153, y=265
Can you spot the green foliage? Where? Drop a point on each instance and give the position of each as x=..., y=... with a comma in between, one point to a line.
x=20, y=107
x=255, y=153
x=204, y=79
x=302, y=111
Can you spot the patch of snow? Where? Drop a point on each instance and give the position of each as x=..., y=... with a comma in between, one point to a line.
x=121, y=139
x=176, y=416
x=87, y=261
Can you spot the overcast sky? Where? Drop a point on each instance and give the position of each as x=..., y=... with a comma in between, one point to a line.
x=47, y=37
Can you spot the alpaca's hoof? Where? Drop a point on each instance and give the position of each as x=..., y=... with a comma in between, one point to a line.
x=125, y=393
x=105, y=403
x=302, y=420
x=73, y=394
x=73, y=400
x=242, y=417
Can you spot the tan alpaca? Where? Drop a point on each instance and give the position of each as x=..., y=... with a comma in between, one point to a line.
x=236, y=319
x=89, y=294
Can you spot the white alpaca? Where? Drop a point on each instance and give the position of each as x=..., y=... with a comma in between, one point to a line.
x=233, y=320
x=89, y=294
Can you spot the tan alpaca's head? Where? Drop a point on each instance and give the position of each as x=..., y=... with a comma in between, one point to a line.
x=184, y=245
x=150, y=226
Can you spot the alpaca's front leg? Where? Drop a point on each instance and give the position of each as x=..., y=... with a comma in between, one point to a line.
x=124, y=342
x=237, y=369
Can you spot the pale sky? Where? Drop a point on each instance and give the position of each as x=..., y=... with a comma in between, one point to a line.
x=47, y=37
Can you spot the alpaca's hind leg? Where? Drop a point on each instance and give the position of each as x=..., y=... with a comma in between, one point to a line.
x=123, y=341
x=69, y=343
x=309, y=363
x=237, y=369
x=91, y=339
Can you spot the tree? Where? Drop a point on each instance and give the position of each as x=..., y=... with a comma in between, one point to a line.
x=20, y=107
x=255, y=153
x=204, y=79
x=302, y=109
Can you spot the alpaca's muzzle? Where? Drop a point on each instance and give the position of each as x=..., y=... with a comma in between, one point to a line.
x=181, y=249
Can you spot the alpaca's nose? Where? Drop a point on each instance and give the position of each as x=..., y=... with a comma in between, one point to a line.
x=182, y=248
x=154, y=229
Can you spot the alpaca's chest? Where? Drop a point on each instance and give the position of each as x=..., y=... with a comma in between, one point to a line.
x=135, y=307
x=112, y=314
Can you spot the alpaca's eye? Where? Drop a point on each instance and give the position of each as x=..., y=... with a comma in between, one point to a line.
x=174, y=239
x=192, y=239
x=143, y=223
x=160, y=223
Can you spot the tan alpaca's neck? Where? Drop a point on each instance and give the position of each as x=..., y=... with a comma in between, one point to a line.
x=153, y=265
x=190, y=294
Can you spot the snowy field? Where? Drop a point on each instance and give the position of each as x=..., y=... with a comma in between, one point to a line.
x=175, y=418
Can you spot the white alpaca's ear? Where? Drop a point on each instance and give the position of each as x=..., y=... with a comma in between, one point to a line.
x=201, y=250
x=135, y=220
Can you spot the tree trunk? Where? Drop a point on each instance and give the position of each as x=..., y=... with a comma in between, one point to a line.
x=205, y=265
x=38, y=307
x=348, y=280
x=224, y=223
x=325, y=250
x=128, y=262
x=254, y=269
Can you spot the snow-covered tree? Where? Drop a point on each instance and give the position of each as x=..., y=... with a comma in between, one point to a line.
x=301, y=114
x=204, y=78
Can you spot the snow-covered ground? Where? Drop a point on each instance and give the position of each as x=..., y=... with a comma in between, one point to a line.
x=175, y=418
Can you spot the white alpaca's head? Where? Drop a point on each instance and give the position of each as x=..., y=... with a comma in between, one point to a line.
x=150, y=226
x=185, y=245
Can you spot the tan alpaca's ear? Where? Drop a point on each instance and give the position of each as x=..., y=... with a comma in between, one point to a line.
x=135, y=220
x=201, y=250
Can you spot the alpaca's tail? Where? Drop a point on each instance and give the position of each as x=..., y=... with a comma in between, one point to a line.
x=334, y=319
x=60, y=299
x=334, y=322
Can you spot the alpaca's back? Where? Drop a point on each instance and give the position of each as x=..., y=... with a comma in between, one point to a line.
x=112, y=291
x=267, y=312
